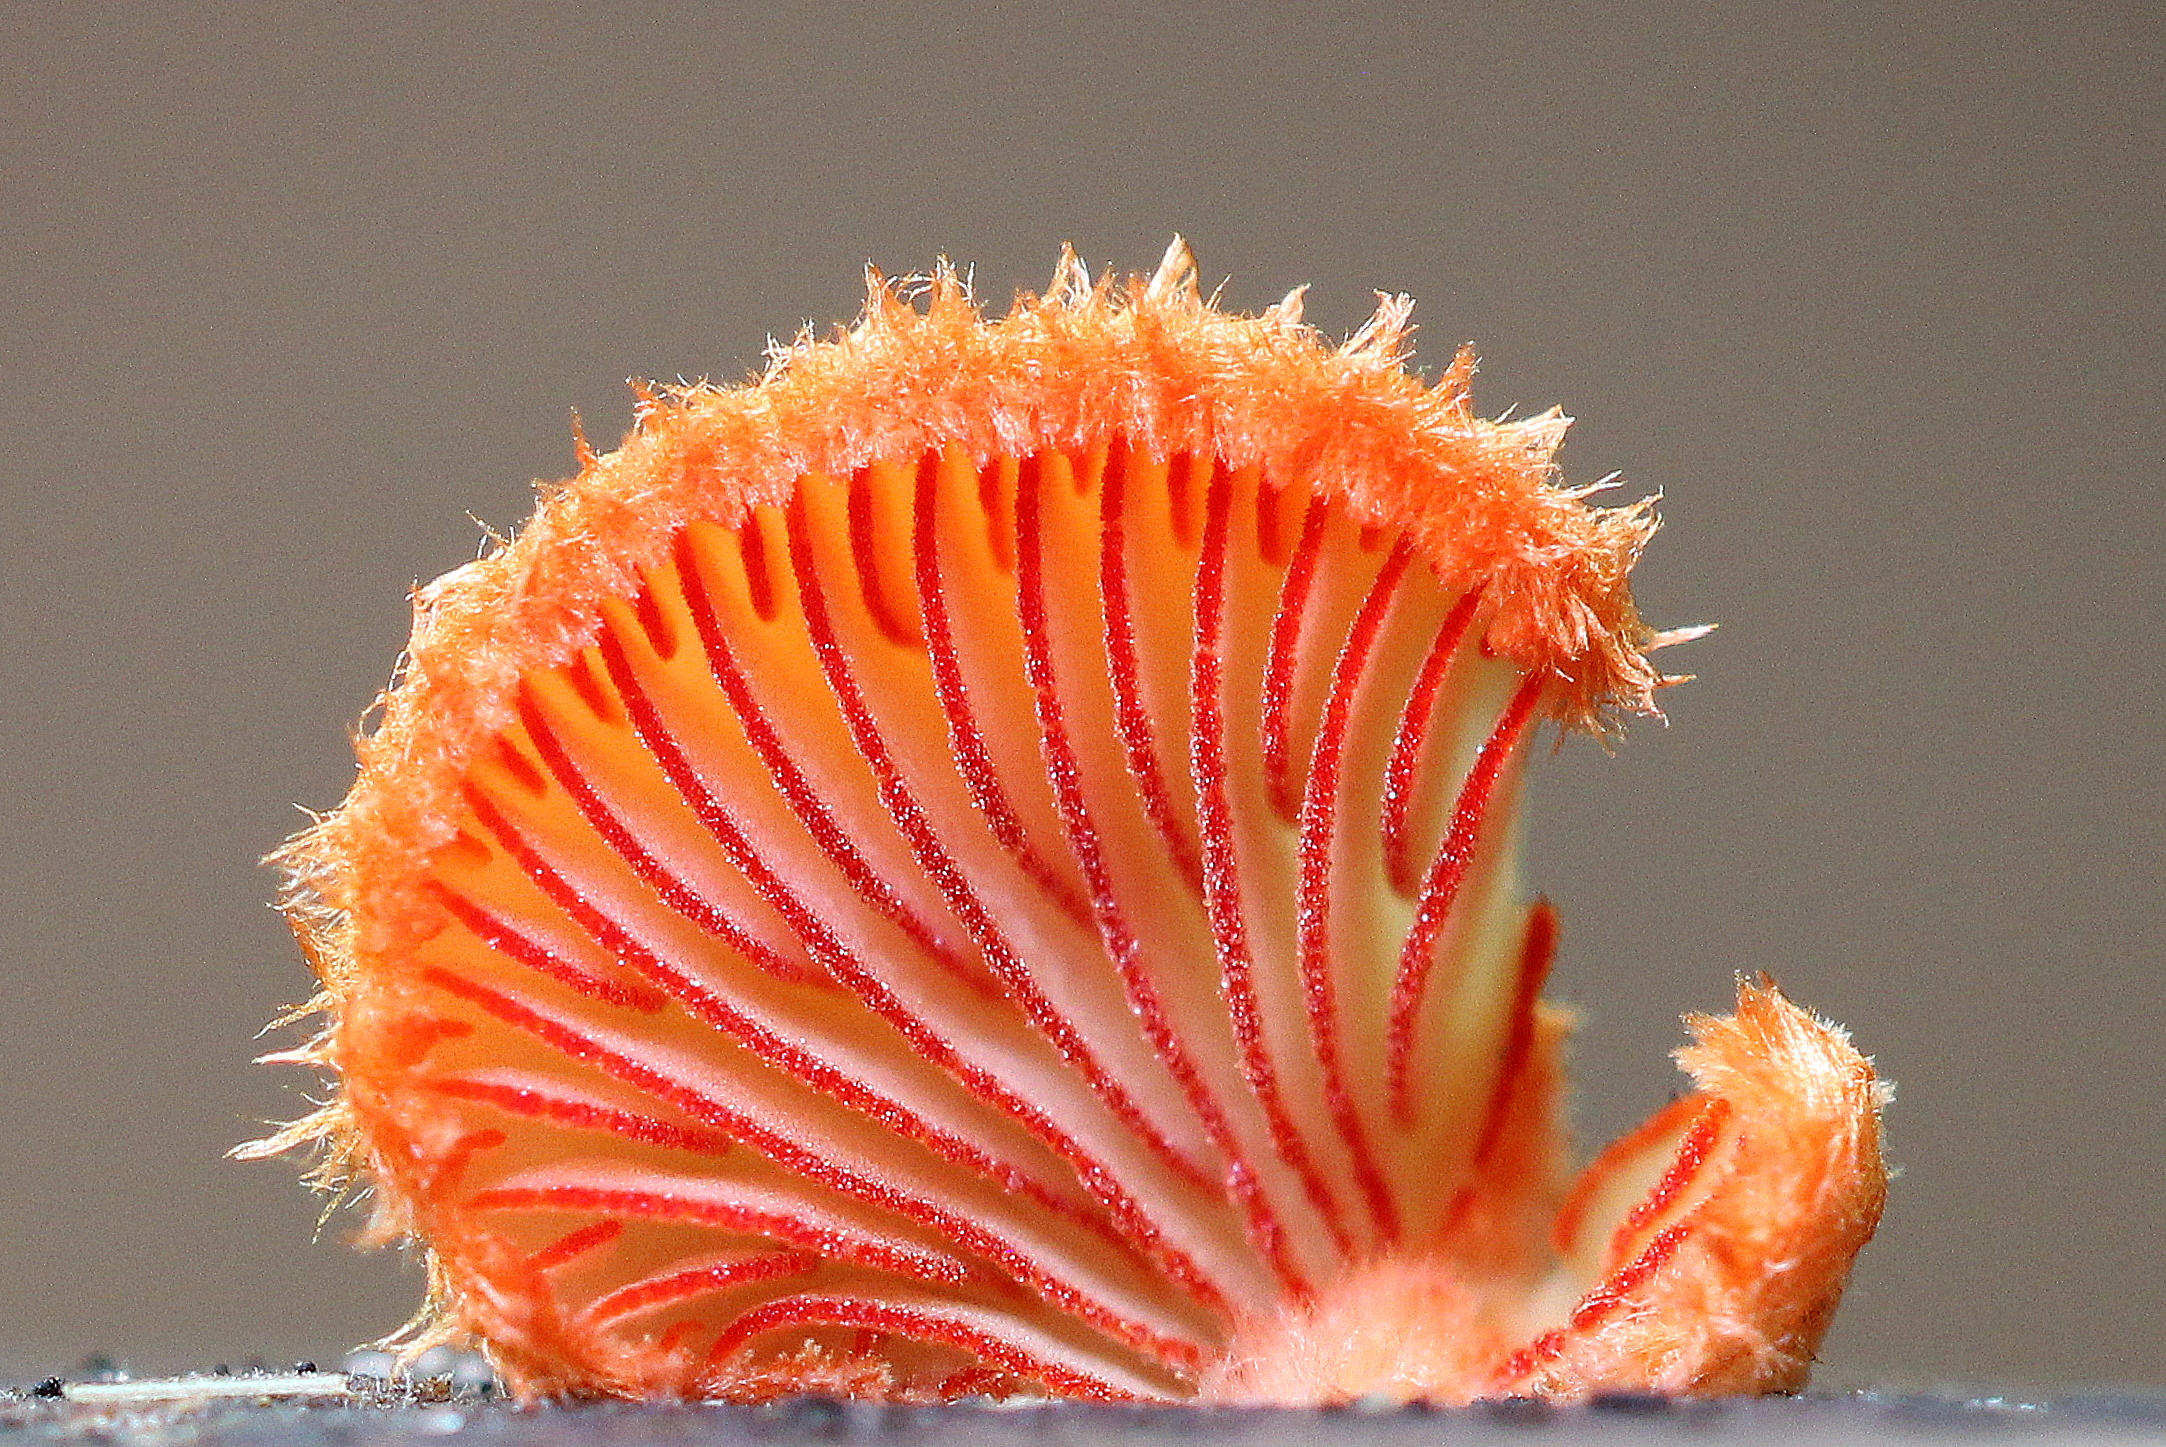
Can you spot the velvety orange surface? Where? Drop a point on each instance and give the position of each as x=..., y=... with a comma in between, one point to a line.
x=984, y=862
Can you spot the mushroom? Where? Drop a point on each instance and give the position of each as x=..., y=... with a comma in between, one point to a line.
x=984, y=863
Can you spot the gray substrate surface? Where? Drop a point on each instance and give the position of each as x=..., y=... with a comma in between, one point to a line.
x=425, y=1417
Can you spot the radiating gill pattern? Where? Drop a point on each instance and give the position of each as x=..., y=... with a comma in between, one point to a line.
x=1009, y=923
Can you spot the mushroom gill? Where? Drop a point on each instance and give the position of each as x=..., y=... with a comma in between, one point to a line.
x=984, y=862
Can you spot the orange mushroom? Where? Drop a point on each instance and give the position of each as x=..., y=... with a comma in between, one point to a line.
x=984, y=862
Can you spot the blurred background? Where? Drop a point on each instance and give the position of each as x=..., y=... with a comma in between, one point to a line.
x=297, y=301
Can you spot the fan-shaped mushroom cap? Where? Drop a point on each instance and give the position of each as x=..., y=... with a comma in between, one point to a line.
x=983, y=861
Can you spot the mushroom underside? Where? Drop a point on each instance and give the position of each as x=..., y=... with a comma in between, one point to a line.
x=1045, y=923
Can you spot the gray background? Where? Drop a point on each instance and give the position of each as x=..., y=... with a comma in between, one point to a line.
x=1874, y=298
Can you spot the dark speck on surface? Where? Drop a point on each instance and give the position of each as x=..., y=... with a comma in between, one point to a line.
x=1519, y=1411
